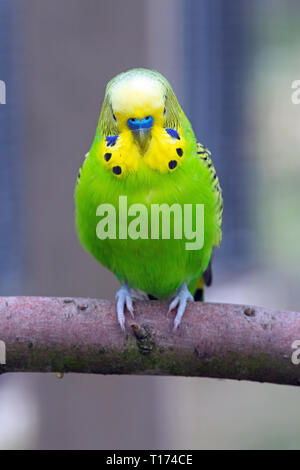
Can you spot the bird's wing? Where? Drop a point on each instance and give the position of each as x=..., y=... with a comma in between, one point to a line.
x=205, y=155
x=80, y=169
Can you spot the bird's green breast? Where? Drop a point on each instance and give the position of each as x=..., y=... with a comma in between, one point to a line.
x=156, y=266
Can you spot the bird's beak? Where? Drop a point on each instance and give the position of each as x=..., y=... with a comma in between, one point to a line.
x=142, y=138
x=141, y=130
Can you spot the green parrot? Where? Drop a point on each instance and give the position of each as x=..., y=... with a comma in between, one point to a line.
x=145, y=188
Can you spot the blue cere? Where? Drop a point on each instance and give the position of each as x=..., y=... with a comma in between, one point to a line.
x=173, y=133
x=111, y=140
x=136, y=124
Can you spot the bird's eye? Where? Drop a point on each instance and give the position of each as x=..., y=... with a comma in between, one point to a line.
x=147, y=118
x=164, y=111
x=114, y=117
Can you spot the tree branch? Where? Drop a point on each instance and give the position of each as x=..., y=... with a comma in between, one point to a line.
x=214, y=340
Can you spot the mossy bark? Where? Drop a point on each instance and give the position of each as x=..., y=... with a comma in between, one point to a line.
x=214, y=340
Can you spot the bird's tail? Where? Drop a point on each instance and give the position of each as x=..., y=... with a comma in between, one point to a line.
x=199, y=292
x=204, y=280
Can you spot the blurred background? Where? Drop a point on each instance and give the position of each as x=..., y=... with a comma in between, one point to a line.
x=231, y=65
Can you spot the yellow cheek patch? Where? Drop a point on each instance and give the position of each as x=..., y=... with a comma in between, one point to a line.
x=121, y=158
x=165, y=153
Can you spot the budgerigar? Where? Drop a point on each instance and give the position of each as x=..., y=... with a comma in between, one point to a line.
x=145, y=150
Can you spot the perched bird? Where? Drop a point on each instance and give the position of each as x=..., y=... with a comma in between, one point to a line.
x=145, y=149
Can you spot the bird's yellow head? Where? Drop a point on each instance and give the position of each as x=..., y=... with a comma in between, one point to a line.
x=140, y=122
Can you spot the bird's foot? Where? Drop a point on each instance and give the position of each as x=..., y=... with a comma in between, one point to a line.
x=181, y=298
x=124, y=298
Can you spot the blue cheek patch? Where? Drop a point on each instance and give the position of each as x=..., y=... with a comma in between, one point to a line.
x=173, y=133
x=111, y=140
